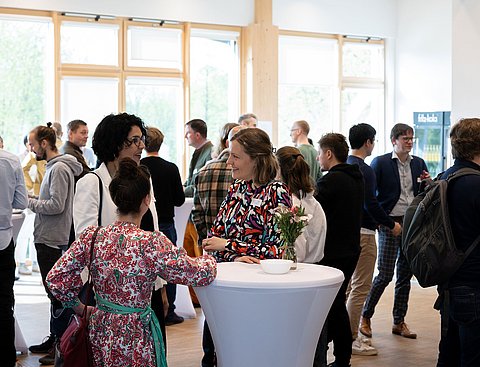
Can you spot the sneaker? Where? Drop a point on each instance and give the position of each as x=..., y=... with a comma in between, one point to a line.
x=35, y=267
x=365, y=340
x=365, y=327
x=360, y=348
x=172, y=319
x=24, y=270
x=49, y=358
x=45, y=347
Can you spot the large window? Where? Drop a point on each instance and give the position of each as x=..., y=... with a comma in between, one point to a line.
x=89, y=43
x=159, y=101
x=214, y=82
x=331, y=93
x=363, y=96
x=89, y=99
x=26, y=77
x=308, y=86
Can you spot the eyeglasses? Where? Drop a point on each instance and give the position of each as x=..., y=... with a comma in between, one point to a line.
x=406, y=139
x=294, y=130
x=136, y=140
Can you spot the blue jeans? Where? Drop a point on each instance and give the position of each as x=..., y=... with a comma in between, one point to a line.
x=459, y=345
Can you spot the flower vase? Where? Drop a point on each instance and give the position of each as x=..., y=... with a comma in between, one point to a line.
x=290, y=253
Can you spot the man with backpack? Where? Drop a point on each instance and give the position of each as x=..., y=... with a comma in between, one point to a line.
x=398, y=177
x=461, y=336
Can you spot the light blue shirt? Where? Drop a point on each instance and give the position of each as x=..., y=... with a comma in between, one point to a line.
x=13, y=194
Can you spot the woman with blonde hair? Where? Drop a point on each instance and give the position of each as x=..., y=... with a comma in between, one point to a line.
x=244, y=229
x=295, y=173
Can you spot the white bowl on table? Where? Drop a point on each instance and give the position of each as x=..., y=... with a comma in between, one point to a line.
x=276, y=266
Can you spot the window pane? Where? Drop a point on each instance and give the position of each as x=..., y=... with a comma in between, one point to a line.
x=214, y=69
x=26, y=77
x=362, y=105
x=305, y=60
x=307, y=85
x=363, y=60
x=85, y=43
x=89, y=99
x=155, y=47
x=159, y=102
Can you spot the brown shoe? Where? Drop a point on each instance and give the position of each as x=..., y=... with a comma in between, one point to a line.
x=403, y=330
x=365, y=327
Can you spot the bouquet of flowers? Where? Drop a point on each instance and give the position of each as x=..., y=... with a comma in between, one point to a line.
x=291, y=223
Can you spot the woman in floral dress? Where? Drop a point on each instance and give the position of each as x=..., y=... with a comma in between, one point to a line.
x=126, y=261
x=244, y=229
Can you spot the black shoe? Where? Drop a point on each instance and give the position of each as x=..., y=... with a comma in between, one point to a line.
x=45, y=347
x=17, y=277
x=49, y=358
x=172, y=319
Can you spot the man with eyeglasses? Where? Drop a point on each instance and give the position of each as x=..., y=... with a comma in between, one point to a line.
x=398, y=177
x=299, y=134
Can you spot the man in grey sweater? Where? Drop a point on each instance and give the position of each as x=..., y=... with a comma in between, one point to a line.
x=53, y=217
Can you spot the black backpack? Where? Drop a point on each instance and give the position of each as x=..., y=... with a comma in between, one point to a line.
x=427, y=242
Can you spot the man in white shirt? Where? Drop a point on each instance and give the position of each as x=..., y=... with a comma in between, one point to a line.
x=13, y=195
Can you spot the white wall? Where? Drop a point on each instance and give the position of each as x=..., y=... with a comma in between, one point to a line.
x=352, y=17
x=466, y=56
x=231, y=12
x=423, y=63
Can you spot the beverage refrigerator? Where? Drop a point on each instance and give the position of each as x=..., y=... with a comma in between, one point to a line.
x=432, y=139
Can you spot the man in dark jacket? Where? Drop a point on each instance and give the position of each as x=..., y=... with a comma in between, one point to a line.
x=341, y=194
x=362, y=142
x=398, y=180
x=77, y=138
x=459, y=345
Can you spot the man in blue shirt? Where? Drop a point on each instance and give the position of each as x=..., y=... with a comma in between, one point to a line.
x=13, y=195
x=362, y=142
x=398, y=177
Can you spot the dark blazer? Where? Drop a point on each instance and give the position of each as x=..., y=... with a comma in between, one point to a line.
x=388, y=179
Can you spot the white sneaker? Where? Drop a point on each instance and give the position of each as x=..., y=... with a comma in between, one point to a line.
x=24, y=270
x=35, y=267
x=365, y=340
x=360, y=348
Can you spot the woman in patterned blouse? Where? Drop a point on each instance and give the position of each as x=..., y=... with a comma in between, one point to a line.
x=123, y=329
x=244, y=229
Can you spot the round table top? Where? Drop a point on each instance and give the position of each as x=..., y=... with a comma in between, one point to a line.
x=242, y=275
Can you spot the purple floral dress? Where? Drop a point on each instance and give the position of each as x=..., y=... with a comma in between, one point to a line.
x=126, y=262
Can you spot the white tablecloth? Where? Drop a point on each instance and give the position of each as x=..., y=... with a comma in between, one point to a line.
x=183, y=302
x=260, y=320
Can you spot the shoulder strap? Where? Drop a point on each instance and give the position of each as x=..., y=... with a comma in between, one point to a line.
x=89, y=282
x=463, y=172
x=100, y=190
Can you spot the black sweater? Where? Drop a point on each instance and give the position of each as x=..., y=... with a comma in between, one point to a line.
x=167, y=187
x=341, y=193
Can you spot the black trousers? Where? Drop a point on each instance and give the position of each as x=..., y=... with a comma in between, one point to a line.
x=337, y=325
x=7, y=302
x=47, y=257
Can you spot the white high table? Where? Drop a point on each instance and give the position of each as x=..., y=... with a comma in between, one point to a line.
x=261, y=320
